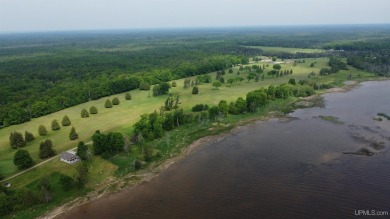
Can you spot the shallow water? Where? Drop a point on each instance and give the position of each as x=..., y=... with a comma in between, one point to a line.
x=275, y=169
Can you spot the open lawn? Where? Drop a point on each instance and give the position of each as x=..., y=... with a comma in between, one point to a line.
x=122, y=117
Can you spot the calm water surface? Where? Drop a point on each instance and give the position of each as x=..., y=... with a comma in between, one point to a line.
x=275, y=169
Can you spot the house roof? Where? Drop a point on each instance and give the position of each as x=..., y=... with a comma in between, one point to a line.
x=66, y=155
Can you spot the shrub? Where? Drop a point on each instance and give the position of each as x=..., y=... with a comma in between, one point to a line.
x=108, y=104
x=144, y=85
x=93, y=110
x=128, y=96
x=195, y=90
x=42, y=130
x=84, y=113
x=174, y=84
x=198, y=108
x=73, y=135
x=115, y=101
x=65, y=121
x=28, y=136
x=55, y=125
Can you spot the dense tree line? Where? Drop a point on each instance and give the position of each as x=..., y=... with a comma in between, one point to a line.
x=45, y=84
x=372, y=55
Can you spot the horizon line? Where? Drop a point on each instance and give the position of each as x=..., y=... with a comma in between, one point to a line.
x=191, y=28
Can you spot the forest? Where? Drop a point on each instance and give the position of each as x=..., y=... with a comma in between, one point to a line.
x=41, y=73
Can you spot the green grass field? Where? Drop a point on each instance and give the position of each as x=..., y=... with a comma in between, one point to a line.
x=122, y=117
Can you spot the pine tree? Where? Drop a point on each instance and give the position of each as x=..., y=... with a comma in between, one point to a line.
x=93, y=110
x=46, y=149
x=128, y=96
x=28, y=136
x=42, y=130
x=55, y=125
x=66, y=121
x=115, y=101
x=84, y=113
x=108, y=104
x=73, y=135
x=16, y=140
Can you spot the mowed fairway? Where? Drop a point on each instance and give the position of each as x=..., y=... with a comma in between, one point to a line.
x=122, y=117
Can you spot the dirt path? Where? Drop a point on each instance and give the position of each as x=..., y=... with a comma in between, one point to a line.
x=35, y=166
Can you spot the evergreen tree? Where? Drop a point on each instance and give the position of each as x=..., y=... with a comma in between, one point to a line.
x=55, y=125
x=82, y=151
x=115, y=101
x=84, y=113
x=93, y=110
x=46, y=149
x=28, y=136
x=128, y=96
x=42, y=130
x=16, y=140
x=73, y=135
x=195, y=90
x=22, y=159
x=222, y=80
x=174, y=84
x=108, y=104
x=66, y=121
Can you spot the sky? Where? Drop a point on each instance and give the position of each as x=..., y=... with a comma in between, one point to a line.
x=60, y=15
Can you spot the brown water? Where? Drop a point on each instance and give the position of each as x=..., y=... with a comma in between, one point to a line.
x=275, y=169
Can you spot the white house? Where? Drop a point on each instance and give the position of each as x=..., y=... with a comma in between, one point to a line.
x=69, y=157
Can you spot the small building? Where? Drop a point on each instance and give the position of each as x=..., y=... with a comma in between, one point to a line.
x=69, y=157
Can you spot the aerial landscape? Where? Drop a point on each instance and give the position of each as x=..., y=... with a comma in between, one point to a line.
x=229, y=111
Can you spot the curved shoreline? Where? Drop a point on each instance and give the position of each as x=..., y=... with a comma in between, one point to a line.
x=155, y=169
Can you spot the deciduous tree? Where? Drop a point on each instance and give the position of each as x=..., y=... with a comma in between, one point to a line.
x=16, y=140
x=22, y=159
x=46, y=149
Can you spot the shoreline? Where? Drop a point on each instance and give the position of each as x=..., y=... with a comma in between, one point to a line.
x=131, y=181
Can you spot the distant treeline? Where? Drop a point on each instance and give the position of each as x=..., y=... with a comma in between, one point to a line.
x=370, y=55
